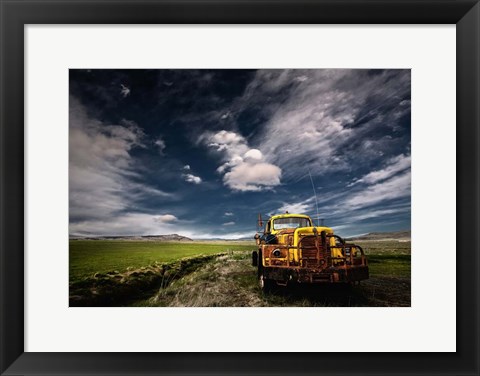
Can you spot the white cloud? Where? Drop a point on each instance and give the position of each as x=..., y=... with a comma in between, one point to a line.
x=253, y=176
x=160, y=144
x=228, y=214
x=356, y=217
x=165, y=218
x=236, y=160
x=186, y=167
x=253, y=155
x=192, y=178
x=125, y=224
x=228, y=224
x=295, y=208
x=395, y=165
x=229, y=142
x=301, y=78
x=393, y=188
x=125, y=91
x=229, y=235
x=310, y=119
x=147, y=224
x=368, y=214
x=355, y=204
x=102, y=174
x=244, y=168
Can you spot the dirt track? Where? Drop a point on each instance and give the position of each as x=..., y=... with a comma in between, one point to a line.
x=223, y=282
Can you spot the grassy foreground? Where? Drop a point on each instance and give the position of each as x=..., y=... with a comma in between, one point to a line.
x=229, y=280
x=142, y=273
x=88, y=257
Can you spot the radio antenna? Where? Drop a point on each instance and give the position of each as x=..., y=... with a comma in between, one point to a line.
x=315, y=193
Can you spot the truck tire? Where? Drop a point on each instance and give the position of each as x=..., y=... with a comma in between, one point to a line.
x=254, y=258
x=265, y=284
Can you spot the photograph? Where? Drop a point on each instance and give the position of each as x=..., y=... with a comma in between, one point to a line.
x=239, y=187
x=180, y=179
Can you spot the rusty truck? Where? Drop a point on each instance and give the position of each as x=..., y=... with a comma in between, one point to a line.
x=292, y=249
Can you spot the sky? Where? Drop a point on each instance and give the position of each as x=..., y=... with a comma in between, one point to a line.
x=201, y=153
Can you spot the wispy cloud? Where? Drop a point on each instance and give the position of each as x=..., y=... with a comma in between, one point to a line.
x=126, y=224
x=125, y=91
x=323, y=120
x=228, y=235
x=320, y=117
x=228, y=224
x=393, y=188
x=297, y=208
x=348, y=200
x=355, y=217
x=260, y=131
x=393, y=166
x=148, y=224
x=381, y=195
x=103, y=178
x=160, y=145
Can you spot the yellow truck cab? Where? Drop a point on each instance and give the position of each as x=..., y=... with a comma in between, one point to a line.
x=293, y=249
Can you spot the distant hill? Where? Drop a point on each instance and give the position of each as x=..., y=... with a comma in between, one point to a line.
x=250, y=238
x=156, y=238
x=395, y=235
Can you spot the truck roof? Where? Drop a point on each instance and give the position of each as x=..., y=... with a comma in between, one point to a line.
x=288, y=215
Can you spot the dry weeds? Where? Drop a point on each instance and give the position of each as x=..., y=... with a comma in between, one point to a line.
x=216, y=284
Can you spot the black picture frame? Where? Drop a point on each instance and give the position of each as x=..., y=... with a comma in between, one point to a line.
x=15, y=14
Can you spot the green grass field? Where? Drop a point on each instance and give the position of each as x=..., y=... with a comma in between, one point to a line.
x=389, y=265
x=88, y=257
x=388, y=258
x=384, y=247
x=216, y=273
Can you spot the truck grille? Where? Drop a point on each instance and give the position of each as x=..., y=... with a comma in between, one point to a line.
x=309, y=253
x=309, y=242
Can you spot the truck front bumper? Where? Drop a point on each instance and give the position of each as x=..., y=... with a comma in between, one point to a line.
x=340, y=274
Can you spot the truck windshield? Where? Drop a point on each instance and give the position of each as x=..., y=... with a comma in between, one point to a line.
x=292, y=222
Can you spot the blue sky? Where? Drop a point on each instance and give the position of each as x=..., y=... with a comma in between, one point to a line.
x=201, y=152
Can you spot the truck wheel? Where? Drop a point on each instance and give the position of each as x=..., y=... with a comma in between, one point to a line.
x=265, y=284
x=254, y=258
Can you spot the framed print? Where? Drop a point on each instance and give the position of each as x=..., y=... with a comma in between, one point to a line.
x=140, y=139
